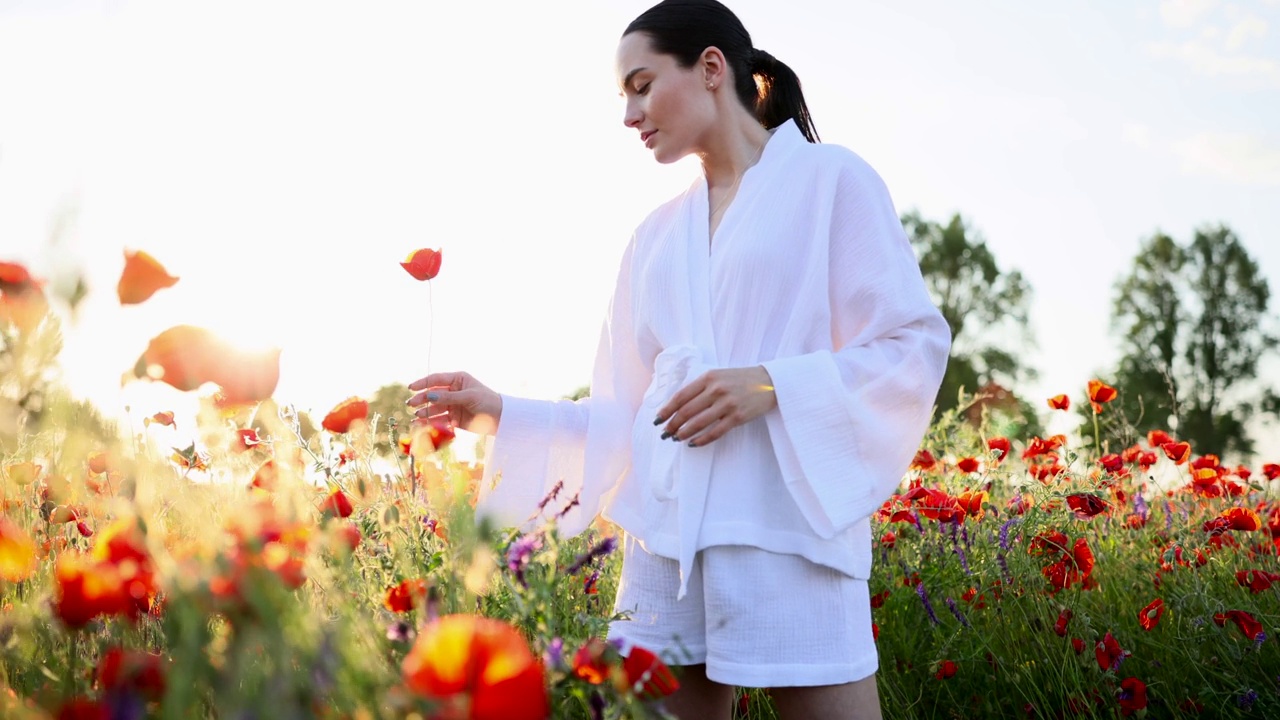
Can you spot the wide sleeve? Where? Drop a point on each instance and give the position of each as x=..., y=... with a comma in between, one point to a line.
x=849, y=420
x=583, y=446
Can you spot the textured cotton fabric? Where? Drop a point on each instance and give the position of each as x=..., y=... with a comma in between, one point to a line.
x=754, y=618
x=809, y=274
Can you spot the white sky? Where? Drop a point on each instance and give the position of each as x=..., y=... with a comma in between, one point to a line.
x=282, y=158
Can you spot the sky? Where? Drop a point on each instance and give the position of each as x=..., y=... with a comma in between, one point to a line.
x=282, y=159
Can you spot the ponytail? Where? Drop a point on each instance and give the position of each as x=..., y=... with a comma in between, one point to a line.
x=778, y=97
x=769, y=89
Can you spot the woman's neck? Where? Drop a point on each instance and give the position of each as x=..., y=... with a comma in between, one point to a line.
x=732, y=152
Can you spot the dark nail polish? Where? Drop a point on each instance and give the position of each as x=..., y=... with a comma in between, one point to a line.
x=665, y=435
x=693, y=443
x=658, y=421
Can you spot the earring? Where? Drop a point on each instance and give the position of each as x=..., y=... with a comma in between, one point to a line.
x=711, y=86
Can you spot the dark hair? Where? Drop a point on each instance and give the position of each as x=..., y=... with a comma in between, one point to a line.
x=683, y=29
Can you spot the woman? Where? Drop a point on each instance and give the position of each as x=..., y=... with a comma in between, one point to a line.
x=766, y=371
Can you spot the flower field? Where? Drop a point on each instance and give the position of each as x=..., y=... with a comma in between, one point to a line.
x=268, y=572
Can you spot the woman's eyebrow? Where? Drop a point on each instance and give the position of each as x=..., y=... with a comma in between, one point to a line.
x=627, y=80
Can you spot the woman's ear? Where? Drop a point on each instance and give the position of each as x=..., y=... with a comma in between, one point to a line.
x=714, y=67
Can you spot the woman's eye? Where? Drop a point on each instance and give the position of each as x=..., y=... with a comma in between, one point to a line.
x=643, y=89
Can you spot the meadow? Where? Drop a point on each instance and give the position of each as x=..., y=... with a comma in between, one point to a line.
x=273, y=571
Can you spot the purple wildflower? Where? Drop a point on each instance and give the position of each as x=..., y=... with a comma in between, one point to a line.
x=1257, y=641
x=1140, y=506
x=1247, y=699
x=928, y=607
x=602, y=548
x=955, y=545
x=597, y=706
x=554, y=654
x=573, y=502
x=956, y=611
x=400, y=631
x=1168, y=516
x=1004, y=533
x=519, y=552
x=555, y=492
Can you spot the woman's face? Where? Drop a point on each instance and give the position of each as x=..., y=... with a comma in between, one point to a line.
x=669, y=106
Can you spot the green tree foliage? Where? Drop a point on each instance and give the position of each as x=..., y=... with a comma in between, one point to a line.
x=388, y=405
x=1193, y=325
x=985, y=307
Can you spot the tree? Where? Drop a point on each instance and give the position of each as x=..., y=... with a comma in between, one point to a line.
x=1192, y=322
x=985, y=307
x=388, y=404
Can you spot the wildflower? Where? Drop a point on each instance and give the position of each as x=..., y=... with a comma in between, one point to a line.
x=1243, y=620
x=923, y=460
x=599, y=550
x=1111, y=462
x=924, y=600
x=400, y=631
x=479, y=668
x=1236, y=518
x=187, y=357
x=999, y=445
x=143, y=276
x=160, y=418
x=1060, y=402
x=1132, y=696
x=133, y=670
x=340, y=418
x=592, y=661
x=1109, y=653
x=1149, y=616
x=1247, y=699
x=338, y=504
x=946, y=669
x=519, y=553
x=1100, y=393
x=17, y=552
x=647, y=676
x=1271, y=471
x=423, y=264
x=555, y=492
x=1256, y=580
x=967, y=464
x=888, y=539
x=1178, y=452
x=553, y=657
x=406, y=595
x=951, y=604
x=1064, y=617
x=1086, y=505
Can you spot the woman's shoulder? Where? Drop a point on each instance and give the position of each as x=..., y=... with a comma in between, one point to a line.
x=840, y=160
x=664, y=215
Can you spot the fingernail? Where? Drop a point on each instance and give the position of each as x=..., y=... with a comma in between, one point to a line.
x=432, y=397
x=658, y=421
x=693, y=443
x=665, y=435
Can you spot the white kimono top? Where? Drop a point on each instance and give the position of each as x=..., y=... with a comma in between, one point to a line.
x=811, y=275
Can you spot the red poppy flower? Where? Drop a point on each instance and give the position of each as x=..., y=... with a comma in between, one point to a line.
x=422, y=264
x=1271, y=471
x=187, y=357
x=1000, y=445
x=428, y=436
x=946, y=669
x=1111, y=462
x=337, y=503
x=888, y=539
x=877, y=600
x=1257, y=580
x=1133, y=696
x=246, y=438
x=647, y=676
x=1250, y=627
x=592, y=661
x=1099, y=393
x=22, y=302
x=1158, y=438
x=160, y=418
x=1064, y=617
x=1149, y=616
x=478, y=668
x=1078, y=645
x=968, y=464
x=1146, y=460
x=407, y=595
x=1178, y=452
x=143, y=276
x=970, y=502
x=1060, y=402
x=349, y=535
x=1086, y=505
x=1109, y=653
x=133, y=670
x=1236, y=518
x=348, y=411
x=923, y=460
x=17, y=552
x=266, y=477
x=84, y=709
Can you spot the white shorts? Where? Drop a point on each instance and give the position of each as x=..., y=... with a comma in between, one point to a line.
x=755, y=618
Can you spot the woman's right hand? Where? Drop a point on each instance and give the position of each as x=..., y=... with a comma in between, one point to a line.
x=459, y=399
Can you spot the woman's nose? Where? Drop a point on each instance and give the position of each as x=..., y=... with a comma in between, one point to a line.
x=632, y=116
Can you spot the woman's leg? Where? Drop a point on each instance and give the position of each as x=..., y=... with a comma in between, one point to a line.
x=851, y=701
x=699, y=698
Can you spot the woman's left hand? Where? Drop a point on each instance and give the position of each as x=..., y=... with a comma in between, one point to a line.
x=715, y=403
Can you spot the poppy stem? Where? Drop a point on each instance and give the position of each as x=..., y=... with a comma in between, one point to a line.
x=1097, y=436
x=431, y=311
